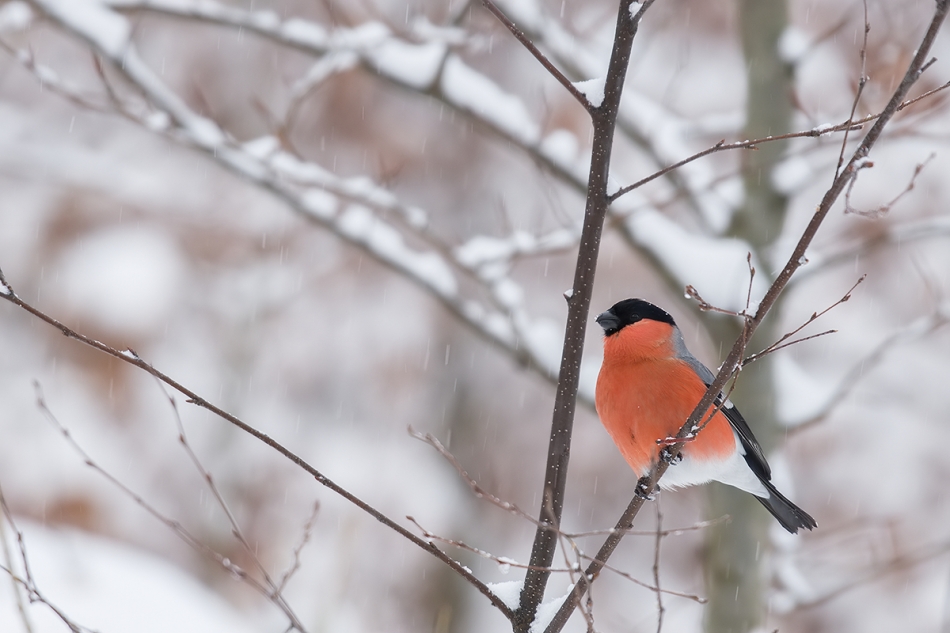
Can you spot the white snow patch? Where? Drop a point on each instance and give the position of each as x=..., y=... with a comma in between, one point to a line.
x=415, y=65
x=716, y=267
x=481, y=249
x=157, y=121
x=15, y=16
x=109, y=30
x=304, y=32
x=360, y=37
x=592, y=89
x=560, y=146
x=544, y=339
x=792, y=174
x=125, y=278
x=792, y=45
x=320, y=203
x=547, y=610
x=508, y=592
x=508, y=293
x=360, y=225
x=108, y=586
x=800, y=395
x=262, y=147
x=471, y=90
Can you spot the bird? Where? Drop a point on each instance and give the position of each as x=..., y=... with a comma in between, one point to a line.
x=648, y=385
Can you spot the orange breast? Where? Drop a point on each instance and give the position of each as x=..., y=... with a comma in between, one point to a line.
x=643, y=398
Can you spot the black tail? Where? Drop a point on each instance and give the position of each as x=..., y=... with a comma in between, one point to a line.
x=787, y=513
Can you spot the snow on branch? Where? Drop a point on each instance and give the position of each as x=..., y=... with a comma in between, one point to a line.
x=427, y=65
x=351, y=208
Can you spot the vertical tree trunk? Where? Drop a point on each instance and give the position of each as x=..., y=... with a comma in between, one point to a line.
x=737, y=552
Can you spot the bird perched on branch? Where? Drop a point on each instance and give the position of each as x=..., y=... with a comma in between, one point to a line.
x=647, y=388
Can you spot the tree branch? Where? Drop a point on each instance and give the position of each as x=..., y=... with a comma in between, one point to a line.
x=559, y=445
x=734, y=359
x=553, y=70
x=130, y=357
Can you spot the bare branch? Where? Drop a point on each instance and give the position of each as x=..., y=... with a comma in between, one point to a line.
x=559, y=443
x=529, y=45
x=179, y=529
x=660, y=609
x=779, y=344
x=882, y=210
x=271, y=589
x=733, y=361
x=130, y=357
x=304, y=539
x=27, y=581
x=862, y=82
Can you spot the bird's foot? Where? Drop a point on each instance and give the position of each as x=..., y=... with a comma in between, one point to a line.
x=643, y=490
x=669, y=457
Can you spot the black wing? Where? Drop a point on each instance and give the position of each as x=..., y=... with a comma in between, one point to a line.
x=754, y=455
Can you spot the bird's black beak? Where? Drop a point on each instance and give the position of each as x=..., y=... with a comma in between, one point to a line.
x=609, y=321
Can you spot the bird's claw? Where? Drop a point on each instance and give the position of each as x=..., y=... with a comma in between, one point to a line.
x=669, y=457
x=643, y=490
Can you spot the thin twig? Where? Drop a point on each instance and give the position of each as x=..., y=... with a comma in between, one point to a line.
x=918, y=328
x=541, y=57
x=604, y=121
x=722, y=146
x=884, y=209
x=8, y=562
x=474, y=486
x=27, y=581
x=273, y=590
x=304, y=539
x=734, y=359
x=660, y=609
x=130, y=357
x=862, y=82
x=780, y=344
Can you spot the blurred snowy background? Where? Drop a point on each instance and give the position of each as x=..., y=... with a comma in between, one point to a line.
x=335, y=220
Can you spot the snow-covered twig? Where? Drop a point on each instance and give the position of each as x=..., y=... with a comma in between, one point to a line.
x=428, y=66
x=350, y=208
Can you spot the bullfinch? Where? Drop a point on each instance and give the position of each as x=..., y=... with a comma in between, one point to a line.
x=647, y=387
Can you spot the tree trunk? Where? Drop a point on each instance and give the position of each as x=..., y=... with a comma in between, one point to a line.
x=737, y=552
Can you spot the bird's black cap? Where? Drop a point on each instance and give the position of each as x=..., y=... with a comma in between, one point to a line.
x=628, y=311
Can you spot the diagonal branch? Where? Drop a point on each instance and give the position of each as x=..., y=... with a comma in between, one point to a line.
x=547, y=63
x=734, y=359
x=130, y=357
